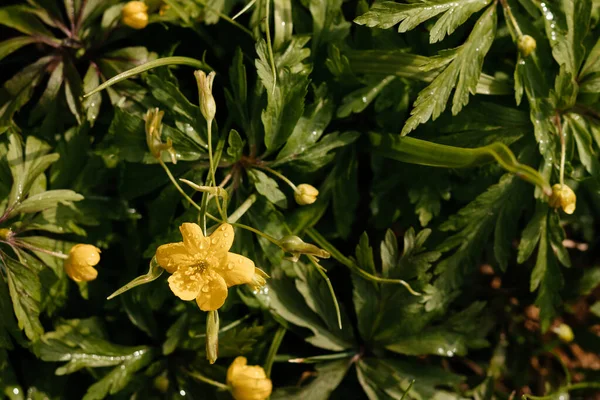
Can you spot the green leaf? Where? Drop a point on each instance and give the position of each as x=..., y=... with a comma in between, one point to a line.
x=23, y=19
x=576, y=126
x=26, y=167
x=328, y=376
x=268, y=187
x=345, y=192
x=318, y=155
x=499, y=205
x=310, y=126
x=25, y=291
x=463, y=72
x=358, y=100
x=17, y=91
x=236, y=145
x=49, y=97
x=328, y=22
x=91, y=104
x=237, y=97
x=386, y=14
x=9, y=46
x=592, y=63
x=73, y=90
x=569, y=48
x=45, y=200
x=400, y=63
x=389, y=379
x=83, y=345
x=240, y=340
x=285, y=98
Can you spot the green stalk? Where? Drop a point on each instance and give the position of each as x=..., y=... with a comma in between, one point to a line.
x=321, y=272
x=161, y=62
x=422, y=152
x=277, y=339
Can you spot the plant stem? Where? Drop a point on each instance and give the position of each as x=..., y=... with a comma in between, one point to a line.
x=248, y=228
x=315, y=263
x=174, y=181
x=212, y=167
x=241, y=210
x=200, y=377
x=269, y=45
x=243, y=10
x=316, y=359
x=277, y=339
x=512, y=18
x=279, y=175
x=31, y=247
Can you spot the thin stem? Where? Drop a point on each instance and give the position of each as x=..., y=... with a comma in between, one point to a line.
x=248, y=228
x=279, y=175
x=246, y=8
x=563, y=149
x=200, y=377
x=31, y=247
x=225, y=328
x=174, y=181
x=512, y=18
x=269, y=45
x=277, y=339
x=316, y=359
x=241, y=210
x=212, y=167
x=584, y=385
x=314, y=262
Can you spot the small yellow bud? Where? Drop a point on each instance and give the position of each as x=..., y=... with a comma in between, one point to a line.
x=135, y=14
x=5, y=234
x=564, y=333
x=306, y=194
x=208, y=107
x=153, y=135
x=80, y=264
x=563, y=196
x=296, y=246
x=527, y=45
x=161, y=383
x=248, y=382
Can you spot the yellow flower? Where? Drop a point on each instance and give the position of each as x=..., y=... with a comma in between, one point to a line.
x=306, y=194
x=564, y=197
x=564, y=333
x=202, y=267
x=135, y=14
x=248, y=382
x=80, y=264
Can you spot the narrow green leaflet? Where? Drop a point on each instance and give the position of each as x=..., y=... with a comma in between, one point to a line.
x=575, y=126
x=268, y=187
x=23, y=19
x=386, y=14
x=329, y=24
x=236, y=145
x=285, y=98
x=328, y=376
x=9, y=46
x=46, y=200
x=358, y=100
x=463, y=71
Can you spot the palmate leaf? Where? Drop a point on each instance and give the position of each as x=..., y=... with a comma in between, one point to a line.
x=463, y=70
x=386, y=14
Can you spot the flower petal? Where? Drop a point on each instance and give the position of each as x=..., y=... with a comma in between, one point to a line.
x=213, y=292
x=237, y=270
x=221, y=241
x=186, y=282
x=174, y=255
x=193, y=239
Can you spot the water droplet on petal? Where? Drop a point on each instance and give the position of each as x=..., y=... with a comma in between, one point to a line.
x=214, y=240
x=205, y=288
x=230, y=266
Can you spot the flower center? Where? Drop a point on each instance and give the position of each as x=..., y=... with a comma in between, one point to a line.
x=200, y=266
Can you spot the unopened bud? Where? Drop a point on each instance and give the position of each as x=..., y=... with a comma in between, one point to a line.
x=564, y=197
x=564, y=333
x=5, y=234
x=135, y=14
x=306, y=194
x=296, y=246
x=153, y=135
x=208, y=107
x=80, y=264
x=526, y=45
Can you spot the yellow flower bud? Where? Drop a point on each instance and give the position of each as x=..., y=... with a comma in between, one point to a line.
x=527, y=45
x=5, y=234
x=135, y=14
x=208, y=107
x=306, y=194
x=153, y=135
x=80, y=264
x=564, y=333
x=248, y=382
x=564, y=197
x=296, y=246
